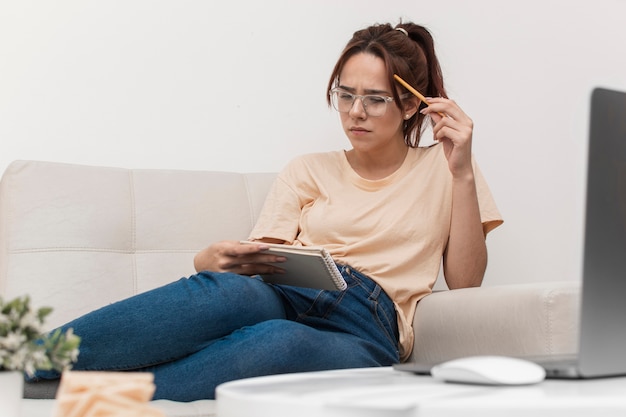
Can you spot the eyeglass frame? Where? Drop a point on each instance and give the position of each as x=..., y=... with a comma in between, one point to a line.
x=387, y=100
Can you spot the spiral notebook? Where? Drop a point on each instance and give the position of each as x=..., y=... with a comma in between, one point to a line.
x=306, y=266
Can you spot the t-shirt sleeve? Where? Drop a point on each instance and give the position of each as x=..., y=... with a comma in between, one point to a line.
x=489, y=214
x=280, y=215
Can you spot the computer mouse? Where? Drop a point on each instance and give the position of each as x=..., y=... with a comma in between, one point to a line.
x=489, y=370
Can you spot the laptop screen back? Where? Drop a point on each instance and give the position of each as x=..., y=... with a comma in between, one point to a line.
x=603, y=315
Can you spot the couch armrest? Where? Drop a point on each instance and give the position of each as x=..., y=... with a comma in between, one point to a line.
x=538, y=319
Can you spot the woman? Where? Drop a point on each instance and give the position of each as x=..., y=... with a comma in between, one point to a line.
x=387, y=210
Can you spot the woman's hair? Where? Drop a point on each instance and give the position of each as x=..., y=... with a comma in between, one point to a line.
x=407, y=50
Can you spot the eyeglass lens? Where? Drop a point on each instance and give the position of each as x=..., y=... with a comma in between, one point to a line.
x=372, y=104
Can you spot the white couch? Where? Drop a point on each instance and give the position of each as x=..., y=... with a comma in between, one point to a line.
x=79, y=237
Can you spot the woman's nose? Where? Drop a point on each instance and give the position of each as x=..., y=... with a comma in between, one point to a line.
x=358, y=109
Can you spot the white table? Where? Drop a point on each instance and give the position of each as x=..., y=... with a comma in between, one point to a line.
x=199, y=408
x=385, y=392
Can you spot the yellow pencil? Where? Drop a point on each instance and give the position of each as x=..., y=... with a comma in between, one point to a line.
x=414, y=91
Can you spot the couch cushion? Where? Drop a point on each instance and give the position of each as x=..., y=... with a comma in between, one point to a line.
x=525, y=320
x=79, y=237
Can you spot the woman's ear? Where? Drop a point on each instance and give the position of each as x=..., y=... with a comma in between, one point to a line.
x=410, y=107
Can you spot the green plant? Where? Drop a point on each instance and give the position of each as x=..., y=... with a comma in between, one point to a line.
x=23, y=344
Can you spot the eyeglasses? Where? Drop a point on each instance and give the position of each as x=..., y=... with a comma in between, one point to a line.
x=374, y=105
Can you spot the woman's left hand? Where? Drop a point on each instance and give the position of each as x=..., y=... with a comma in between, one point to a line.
x=454, y=131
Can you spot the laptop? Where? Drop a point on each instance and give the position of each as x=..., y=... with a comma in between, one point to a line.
x=602, y=332
x=602, y=327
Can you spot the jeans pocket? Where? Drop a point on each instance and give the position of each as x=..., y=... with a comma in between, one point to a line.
x=323, y=305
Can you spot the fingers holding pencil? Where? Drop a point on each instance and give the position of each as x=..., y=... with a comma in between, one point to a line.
x=455, y=121
x=443, y=110
x=452, y=127
x=414, y=92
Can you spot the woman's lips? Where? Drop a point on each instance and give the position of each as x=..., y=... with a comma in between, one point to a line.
x=358, y=130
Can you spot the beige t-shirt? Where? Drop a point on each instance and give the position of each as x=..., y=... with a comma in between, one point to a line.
x=394, y=229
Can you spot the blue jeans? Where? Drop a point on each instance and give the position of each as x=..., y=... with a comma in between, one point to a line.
x=210, y=328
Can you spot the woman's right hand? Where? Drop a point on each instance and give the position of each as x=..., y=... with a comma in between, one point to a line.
x=233, y=256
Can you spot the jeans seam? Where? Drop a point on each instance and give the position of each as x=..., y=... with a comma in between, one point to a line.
x=377, y=312
x=377, y=308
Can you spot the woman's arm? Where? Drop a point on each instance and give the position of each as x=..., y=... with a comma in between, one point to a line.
x=465, y=257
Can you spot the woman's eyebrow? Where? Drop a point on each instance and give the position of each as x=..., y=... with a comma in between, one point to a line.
x=367, y=91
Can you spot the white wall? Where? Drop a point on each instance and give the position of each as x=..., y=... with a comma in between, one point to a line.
x=239, y=85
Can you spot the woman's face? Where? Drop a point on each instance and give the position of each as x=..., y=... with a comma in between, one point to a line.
x=364, y=74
